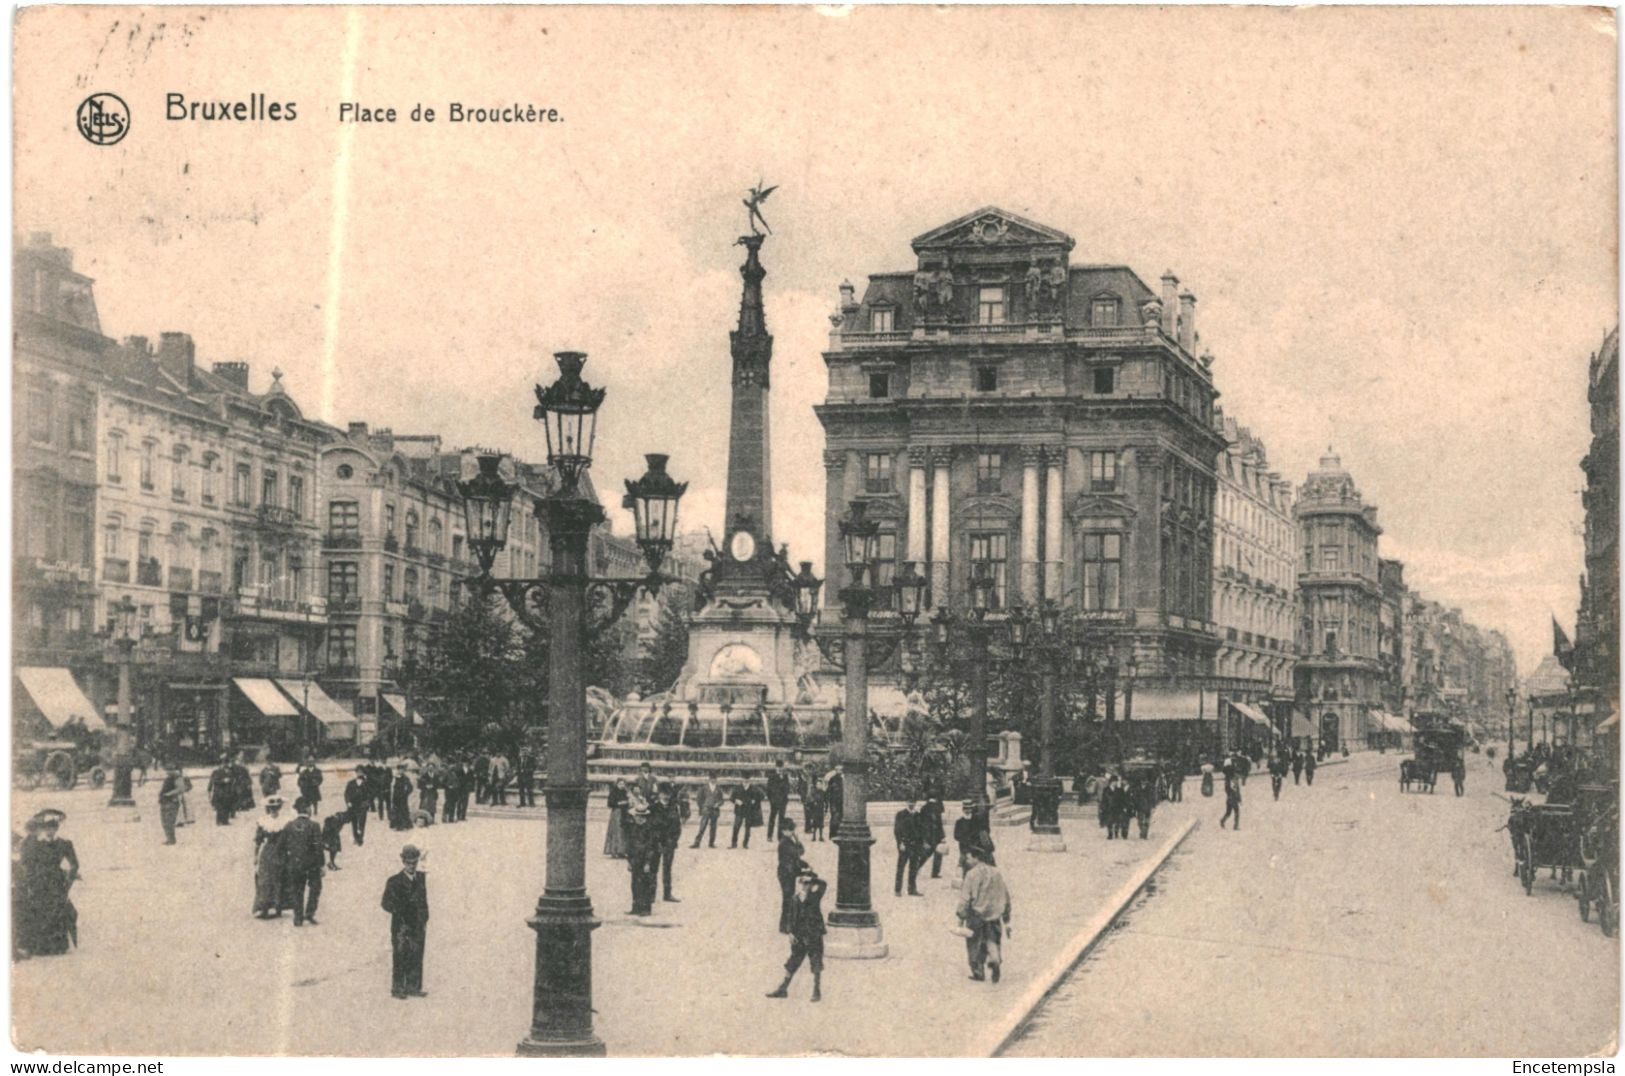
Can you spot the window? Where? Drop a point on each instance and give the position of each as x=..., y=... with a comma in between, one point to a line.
x=177, y=476
x=113, y=537
x=879, y=386
x=76, y=537
x=437, y=537
x=990, y=306
x=1102, y=471
x=880, y=321
x=991, y=549
x=987, y=379
x=389, y=520
x=341, y=579
x=411, y=591
x=149, y=453
x=344, y=519
x=1102, y=571
x=39, y=414
x=1103, y=313
x=886, y=564
x=434, y=584
x=389, y=643
x=241, y=494
x=341, y=646
x=296, y=577
x=877, y=473
x=206, y=478
x=389, y=582
x=345, y=470
x=268, y=488
x=411, y=529
x=456, y=547
x=143, y=548
x=1105, y=380
x=989, y=472
x=268, y=569
x=1329, y=559
x=296, y=495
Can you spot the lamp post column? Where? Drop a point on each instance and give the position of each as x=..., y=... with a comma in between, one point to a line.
x=561, y=1003
x=1046, y=790
x=854, y=924
x=123, y=791
x=981, y=638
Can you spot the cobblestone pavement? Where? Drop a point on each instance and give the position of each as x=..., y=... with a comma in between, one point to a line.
x=1346, y=919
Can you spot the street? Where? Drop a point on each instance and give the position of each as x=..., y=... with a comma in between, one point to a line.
x=1347, y=919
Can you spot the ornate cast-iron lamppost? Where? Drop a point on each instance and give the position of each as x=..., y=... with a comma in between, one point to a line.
x=124, y=631
x=978, y=633
x=573, y=608
x=854, y=924
x=1051, y=651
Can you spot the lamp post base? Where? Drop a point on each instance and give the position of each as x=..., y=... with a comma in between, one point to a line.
x=123, y=788
x=855, y=937
x=561, y=1005
x=591, y=1046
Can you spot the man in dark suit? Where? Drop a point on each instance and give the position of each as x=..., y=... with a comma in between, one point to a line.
x=747, y=801
x=834, y=789
x=906, y=830
x=710, y=806
x=303, y=855
x=406, y=899
x=778, y=797
x=358, y=798
x=806, y=933
x=668, y=827
x=310, y=782
x=526, y=773
x=932, y=834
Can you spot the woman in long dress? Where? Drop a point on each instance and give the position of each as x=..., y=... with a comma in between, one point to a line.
x=615, y=835
x=49, y=920
x=268, y=887
x=400, y=800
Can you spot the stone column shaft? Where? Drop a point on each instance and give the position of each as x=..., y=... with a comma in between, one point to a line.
x=941, y=474
x=1053, y=570
x=1030, y=460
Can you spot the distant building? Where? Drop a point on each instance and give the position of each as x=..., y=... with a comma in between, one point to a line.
x=1596, y=629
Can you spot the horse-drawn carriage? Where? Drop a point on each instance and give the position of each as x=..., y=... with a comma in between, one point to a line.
x=1597, y=887
x=1437, y=750
x=57, y=764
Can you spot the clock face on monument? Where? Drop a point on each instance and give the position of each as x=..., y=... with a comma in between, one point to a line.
x=743, y=546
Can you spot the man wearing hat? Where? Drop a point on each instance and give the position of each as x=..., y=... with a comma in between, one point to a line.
x=222, y=791
x=406, y=899
x=357, y=800
x=310, y=781
x=303, y=855
x=642, y=856
x=169, y=801
x=984, y=908
x=668, y=827
x=806, y=933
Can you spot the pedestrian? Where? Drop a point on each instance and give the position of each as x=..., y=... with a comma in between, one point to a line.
x=1207, y=777
x=406, y=899
x=972, y=828
x=668, y=827
x=789, y=867
x=268, y=860
x=48, y=921
x=834, y=800
x=333, y=837
x=642, y=857
x=984, y=909
x=615, y=832
x=747, y=801
x=357, y=799
x=1297, y=766
x=429, y=792
x=1277, y=774
x=270, y=779
x=222, y=796
x=812, y=804
x=526, y=774
x=906, y=832
x=645, y=783
x=778, y=797
x=1232, y=802
x=806, y=933
x=184, y=816
x=1309, y=765
x=302, y=863
x=169, y=801
x=482, y=776
x=242, y=785
x=400, y=800
x=935, y=838
x=310, y=781
x=1458, y=775
x=453, y=782
x=383, y=786
x=711, y=799
x=498, y=779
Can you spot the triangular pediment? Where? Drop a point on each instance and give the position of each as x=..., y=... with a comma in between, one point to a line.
x=1097, y=506
x=991, y=226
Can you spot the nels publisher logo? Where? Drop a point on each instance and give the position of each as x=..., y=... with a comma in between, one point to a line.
x=104, y=119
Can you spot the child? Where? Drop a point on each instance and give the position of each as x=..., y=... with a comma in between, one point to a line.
x=331, y=829
x=806, y=933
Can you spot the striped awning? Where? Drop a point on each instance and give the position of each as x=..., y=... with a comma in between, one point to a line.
x=1250, y=713
x=265, y=697
x=398, y=704
x=339, y=722
x=58, y=697
x=1155, y=705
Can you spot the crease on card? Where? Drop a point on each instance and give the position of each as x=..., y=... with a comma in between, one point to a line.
x=341, y=213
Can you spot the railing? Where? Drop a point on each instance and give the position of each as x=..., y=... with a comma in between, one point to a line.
x=342, y=540
x=413, y=549
x=394, y=608
x=437, y=559
x=343, y=603
x=276, y=516
x=149, y=573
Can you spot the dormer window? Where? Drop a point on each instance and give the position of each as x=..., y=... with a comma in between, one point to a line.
x=1103, y=312
x=880, y=320
x=990, y=306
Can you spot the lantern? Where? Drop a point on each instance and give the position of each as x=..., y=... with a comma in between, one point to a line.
x=487, y=510
x=653, y=502
x=568, y=411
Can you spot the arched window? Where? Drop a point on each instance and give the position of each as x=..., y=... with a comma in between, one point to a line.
x=411, y=529
x=436, y=536
x=411, y=577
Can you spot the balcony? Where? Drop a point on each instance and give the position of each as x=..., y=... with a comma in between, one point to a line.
x=415, y=610
x=278, y=518
x=180, y=579
x=116, y=570
x=413, y=549
x=344, y=603
x=394, y=608
x=149, y=573
x=342, y=540
x=211, y=582
x=436, y=559
x=341, y=672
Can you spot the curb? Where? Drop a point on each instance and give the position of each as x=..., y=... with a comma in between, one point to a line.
x=995, y=1039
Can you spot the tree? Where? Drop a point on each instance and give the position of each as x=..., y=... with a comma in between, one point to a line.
x=667, y=652
x=489, y=672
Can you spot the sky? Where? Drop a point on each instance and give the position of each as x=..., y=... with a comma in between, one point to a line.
x=1400, y=224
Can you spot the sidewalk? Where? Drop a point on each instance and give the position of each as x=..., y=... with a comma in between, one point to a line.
x=689, y=981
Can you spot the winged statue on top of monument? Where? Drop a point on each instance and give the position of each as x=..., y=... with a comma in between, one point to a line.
x=753, y=204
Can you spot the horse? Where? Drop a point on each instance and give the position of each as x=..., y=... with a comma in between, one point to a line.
x=1412, y=770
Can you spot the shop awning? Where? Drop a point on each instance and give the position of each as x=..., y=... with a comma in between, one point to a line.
x=398, y=704
x=339, y=722
x=1392, y=723
x=59, y=698
x=1251, y=713
x=1173, y=706
x=1302, y=727
x=265, y=697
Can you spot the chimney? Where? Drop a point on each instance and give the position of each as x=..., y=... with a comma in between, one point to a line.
x=234, y=372
x=848, y=295
x=1187, y=321
x=138, y=344
x=383, y=439
x=358, y=431
x=176, y=353
x=1170, y=306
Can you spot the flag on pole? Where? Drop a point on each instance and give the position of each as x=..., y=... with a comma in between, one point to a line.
x=1561, y=647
